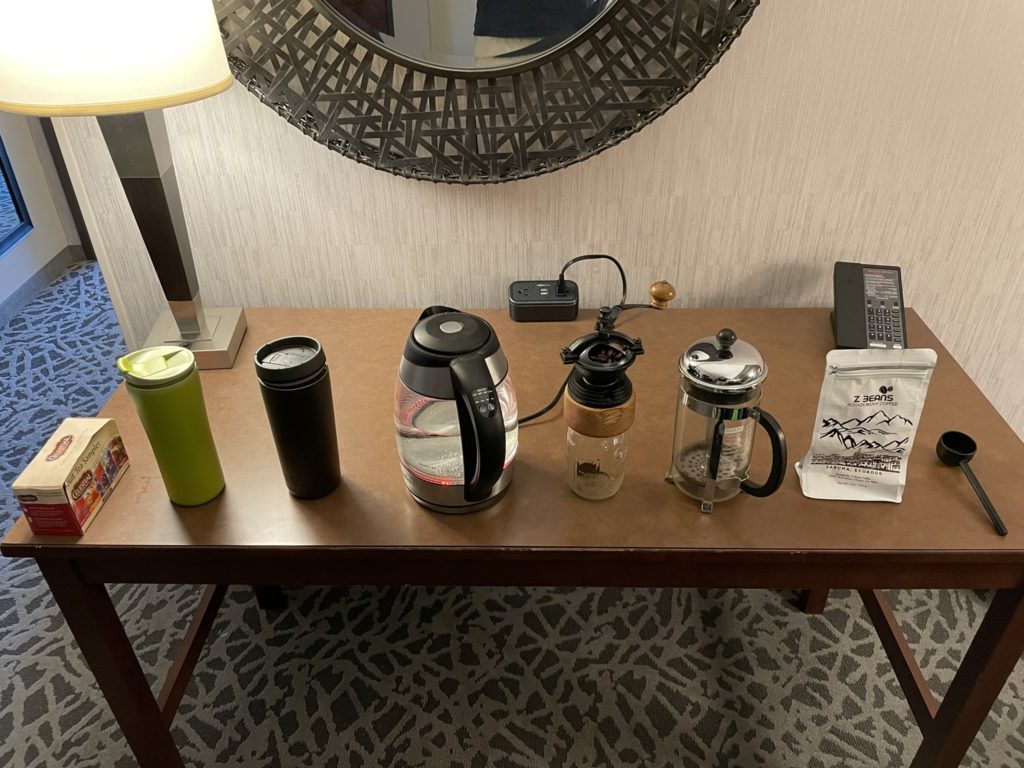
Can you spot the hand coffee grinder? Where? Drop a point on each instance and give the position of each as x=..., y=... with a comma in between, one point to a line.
x=599, y=404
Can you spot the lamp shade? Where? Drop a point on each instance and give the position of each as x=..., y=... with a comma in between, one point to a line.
x=104, y=57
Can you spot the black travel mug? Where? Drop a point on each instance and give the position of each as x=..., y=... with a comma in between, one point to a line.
x=296, y=387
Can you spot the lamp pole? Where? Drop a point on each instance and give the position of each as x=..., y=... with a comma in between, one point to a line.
x=141, y=151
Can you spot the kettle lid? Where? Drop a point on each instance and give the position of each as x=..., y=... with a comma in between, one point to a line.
x=449, y=333
x=723, y=363
x=441, y=336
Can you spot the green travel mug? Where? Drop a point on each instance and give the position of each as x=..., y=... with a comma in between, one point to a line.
x=165, y=386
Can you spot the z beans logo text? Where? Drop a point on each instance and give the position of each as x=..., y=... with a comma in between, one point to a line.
x=884, y=396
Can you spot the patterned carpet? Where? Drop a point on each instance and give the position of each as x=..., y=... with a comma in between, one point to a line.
x=455, y=678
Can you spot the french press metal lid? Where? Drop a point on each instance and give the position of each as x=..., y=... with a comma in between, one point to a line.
x=723, y=363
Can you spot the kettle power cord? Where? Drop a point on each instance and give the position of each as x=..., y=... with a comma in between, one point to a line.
x=661, y=292
x=549, y=406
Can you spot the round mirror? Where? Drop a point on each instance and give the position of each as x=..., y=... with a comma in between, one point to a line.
x=474, y=91
x=472, y=37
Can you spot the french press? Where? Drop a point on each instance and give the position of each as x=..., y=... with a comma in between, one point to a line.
x=718, y=407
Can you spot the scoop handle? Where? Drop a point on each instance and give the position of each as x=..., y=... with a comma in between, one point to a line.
x=997, y=521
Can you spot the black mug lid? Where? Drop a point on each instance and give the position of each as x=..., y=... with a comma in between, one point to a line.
x=289, y=359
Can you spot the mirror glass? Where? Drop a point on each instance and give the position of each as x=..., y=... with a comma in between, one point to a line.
x=470, y=35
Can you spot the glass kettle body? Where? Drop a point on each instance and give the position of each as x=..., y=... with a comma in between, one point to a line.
x=717, y=412
x=456, y=417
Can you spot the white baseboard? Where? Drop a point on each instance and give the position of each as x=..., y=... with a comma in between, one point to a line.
x=31, y=288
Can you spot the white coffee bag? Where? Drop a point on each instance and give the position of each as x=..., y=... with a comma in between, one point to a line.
x=870, y=404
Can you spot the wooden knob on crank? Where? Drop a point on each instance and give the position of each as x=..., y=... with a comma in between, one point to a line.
x=662, y=292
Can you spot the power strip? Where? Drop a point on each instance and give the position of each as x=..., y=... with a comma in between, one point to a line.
x=538, y=301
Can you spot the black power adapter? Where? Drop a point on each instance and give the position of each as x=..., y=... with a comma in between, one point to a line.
x=535, y=301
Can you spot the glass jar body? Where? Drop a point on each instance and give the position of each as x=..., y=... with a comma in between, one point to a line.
x=595, y=466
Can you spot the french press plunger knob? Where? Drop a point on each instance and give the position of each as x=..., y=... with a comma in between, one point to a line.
x=725, y=338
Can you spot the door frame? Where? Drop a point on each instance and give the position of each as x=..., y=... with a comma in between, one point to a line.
x=8, y=177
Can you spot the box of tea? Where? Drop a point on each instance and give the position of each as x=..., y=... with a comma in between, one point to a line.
x=63, y=487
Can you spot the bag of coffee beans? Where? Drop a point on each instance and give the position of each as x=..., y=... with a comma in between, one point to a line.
x=867, y=417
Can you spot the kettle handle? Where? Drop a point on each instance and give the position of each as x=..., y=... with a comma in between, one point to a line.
x=779, y=458
x=436, y=309
x=481, y=425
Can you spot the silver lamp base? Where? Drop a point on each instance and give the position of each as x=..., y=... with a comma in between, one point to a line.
x=217, y=347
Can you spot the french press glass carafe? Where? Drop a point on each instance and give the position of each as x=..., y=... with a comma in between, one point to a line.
x=719, y=394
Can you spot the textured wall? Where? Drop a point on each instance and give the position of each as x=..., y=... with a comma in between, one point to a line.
x=873, y=131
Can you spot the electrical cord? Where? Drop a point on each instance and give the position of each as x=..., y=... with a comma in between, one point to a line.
x=549, y=406
x=593, y=257
x=561, y=292
x=612, y=313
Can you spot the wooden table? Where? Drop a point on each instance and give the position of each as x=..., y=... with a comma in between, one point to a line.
x=370, y=532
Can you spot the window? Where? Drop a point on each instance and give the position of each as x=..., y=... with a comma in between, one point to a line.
x=14, y=220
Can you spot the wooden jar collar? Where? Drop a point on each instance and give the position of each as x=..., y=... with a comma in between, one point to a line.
x=599, y=422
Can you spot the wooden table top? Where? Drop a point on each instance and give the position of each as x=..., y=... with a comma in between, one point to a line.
x=939, y=517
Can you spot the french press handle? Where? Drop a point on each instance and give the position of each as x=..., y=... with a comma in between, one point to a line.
x=481, y=425
x=779, y=458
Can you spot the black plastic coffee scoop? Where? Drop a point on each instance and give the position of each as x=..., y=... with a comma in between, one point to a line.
x=956, y=449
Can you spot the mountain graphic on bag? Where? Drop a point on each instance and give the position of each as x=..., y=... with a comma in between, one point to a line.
x=867, y=417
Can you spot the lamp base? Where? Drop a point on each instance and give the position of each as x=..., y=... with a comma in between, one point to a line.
x=217, y=348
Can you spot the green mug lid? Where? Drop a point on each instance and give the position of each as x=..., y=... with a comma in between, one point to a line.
x=156, y=366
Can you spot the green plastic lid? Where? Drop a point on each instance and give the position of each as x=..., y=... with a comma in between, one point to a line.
x=156, y=366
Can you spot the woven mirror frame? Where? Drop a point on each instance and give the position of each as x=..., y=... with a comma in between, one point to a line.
x=628, y=68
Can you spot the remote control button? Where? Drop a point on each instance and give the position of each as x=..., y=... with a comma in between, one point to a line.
x=888, y=337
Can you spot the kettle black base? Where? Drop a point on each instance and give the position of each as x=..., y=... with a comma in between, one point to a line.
x=451, y=499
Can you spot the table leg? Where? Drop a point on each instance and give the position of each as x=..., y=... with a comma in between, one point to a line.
x=813, y=600
x=270, y=597
x=989, y=661
x=94, y=622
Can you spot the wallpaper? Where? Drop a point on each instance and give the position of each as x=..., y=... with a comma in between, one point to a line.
x=824, y=134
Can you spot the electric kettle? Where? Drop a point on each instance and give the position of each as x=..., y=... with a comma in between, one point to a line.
x=455, y=413
x=716, y=413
